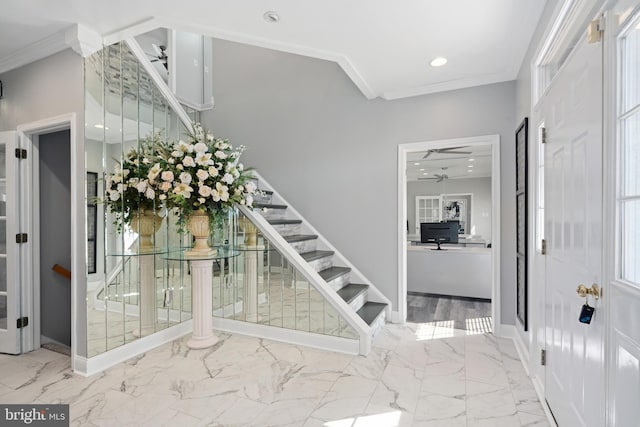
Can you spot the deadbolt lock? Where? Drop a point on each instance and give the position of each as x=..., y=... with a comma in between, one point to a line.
x=583, y=291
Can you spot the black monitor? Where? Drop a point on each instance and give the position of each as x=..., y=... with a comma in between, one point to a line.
x=439, y=232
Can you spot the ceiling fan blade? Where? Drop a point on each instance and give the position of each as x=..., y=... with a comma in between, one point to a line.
x=157, y=49
x=428, y=154
x=455, y=152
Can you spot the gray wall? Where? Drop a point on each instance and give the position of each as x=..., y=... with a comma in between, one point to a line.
x=55, y=235
x=333, y=154
x=43, y=89
x=481, y=205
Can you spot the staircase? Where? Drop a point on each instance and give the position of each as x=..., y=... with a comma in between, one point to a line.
x=338, y=277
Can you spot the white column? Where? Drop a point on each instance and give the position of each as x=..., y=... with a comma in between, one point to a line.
x=201, y=305
x=146, y=301
x=252, y=256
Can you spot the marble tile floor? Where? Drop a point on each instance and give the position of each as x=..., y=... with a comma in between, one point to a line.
x=411, y=378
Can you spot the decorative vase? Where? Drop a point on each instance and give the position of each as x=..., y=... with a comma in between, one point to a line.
x=250, y=231
x=198, y=226
x=145, y=222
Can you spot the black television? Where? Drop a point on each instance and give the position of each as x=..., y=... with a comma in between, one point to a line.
x=439, y=232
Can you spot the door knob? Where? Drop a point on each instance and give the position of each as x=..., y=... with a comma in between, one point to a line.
x=583, y=291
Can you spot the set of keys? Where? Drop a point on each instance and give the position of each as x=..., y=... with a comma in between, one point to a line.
x=586, y=313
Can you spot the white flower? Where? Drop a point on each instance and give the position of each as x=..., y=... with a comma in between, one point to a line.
x=202, y=174
x=183, y=147
x=201, y=200
x=185, y=178
x=240, y=167
x=249, y=200
x=165, y=186
x=179, y=167
x=183, y=190
x=144, y=160
x=250, y=187
x=204, y=159
x=200, y=147
x=125, y=172
x=150, y=194
x=114, y=195
x=188, y=161
x=120, y=188
x=162, y=197
x=171, y=160
x=142, y=186
x=167, y=176
x=220, y=154
x=213, y=171
x=154, y=172
x=209, y=136
x=117, y=177
x=228, y=178
x=177, y=153
x=204, y=191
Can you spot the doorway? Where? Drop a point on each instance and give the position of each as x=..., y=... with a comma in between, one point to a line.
x=53, y=197
x=446, y=201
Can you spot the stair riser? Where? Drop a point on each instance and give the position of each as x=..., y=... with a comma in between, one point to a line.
x=266, y=198
x=273, y=213
x=287, y=229
x=379, y=323
x=357, y=303
x=304, y=246
x=322, y=263
x=339, y=282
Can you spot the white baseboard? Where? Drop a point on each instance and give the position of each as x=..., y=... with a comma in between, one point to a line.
x=290, y=336
x=90, y=366
x=394, y=317
x=539, y=388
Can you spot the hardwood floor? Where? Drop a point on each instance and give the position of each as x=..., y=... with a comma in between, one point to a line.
x=465, y=314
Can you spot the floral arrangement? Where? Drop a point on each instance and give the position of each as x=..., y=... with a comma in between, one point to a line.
x=130, y=188
x=203, y=174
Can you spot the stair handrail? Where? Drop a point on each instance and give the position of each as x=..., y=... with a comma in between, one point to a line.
x=293, y=257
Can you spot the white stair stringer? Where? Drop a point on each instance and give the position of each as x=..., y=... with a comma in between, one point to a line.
x=322, y=243
x=363, y=330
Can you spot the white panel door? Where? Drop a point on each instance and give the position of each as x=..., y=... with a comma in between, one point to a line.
x=9, y=263
x=572, y=111
x=427, y=210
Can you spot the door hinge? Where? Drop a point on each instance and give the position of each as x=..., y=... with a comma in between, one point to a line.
x=543, y=247
x=596, y=28
x=21, y=238
x=543, y=357
x=543, y=135
x=21, y=153
x=22, y=322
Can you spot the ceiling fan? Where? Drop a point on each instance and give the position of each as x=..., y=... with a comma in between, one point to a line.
x=439, y=177
x=450, y=150
x=160, y=55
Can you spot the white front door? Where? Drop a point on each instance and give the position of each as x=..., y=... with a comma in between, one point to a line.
x=9, y=262
x=572, y=112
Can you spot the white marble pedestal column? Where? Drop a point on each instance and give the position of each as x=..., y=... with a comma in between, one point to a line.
x=252, y=256
x=201, y=305
x=146, y=300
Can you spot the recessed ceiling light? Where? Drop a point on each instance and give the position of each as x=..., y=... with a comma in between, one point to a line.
x=472, y=160
x=99, y=126
x=438, y=62
x=469, y=170
x=469, y=166
x=425, y=173
x=421, y=170
x=417, y=164
x=271, y=16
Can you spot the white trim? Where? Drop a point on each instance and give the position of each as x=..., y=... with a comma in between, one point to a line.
x=31, y=288
x=90, y=366
x=83, y=40
x=295, y=259
x=403, y=150
x=289, y=336
x=34, y=52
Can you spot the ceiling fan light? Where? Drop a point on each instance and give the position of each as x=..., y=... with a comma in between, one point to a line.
x=438, y=62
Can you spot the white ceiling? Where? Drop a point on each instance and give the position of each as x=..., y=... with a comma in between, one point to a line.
x=384, y=47
x=457, y=165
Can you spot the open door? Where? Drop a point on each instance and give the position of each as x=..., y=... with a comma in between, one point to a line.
x=11, y=320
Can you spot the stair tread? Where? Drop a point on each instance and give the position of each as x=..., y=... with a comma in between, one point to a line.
x=284, y=221
x=269, y=206
x=370, y=311
x=314, y=255
x=299, y=237
x=352, y=291
x=331, y=273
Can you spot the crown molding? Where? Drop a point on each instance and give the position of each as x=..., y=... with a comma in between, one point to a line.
x=448, y=85
x=33, y=52
x=83, y=40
